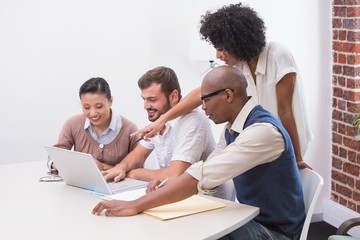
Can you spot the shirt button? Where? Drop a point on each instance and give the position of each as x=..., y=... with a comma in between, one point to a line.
x=101, y=146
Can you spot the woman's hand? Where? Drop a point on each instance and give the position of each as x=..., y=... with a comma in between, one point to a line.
x=151, y=130
x=186, y=105
x=302, y=164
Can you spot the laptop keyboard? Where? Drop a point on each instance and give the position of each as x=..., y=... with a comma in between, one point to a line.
x=116, y=186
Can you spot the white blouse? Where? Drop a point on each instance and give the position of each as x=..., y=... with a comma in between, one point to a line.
x=275, y=61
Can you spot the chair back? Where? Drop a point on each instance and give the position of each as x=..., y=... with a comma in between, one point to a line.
x=312, y=183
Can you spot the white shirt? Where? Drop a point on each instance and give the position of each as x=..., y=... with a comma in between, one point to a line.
x=187, y=138
x=246, y=152
x=275, y=61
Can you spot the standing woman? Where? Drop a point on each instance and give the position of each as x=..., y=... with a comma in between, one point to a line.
x=238, y=35
x=98, y=131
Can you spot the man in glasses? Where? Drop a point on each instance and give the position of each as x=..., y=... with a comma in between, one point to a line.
x=186, y=139
x=255, y=152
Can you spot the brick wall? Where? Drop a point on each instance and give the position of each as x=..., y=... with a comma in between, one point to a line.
x=345, y=171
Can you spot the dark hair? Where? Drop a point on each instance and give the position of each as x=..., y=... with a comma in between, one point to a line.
x=161, y=75
x=235, y=28
x=95, y=85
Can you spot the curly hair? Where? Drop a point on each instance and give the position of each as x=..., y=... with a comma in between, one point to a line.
x=235, y=28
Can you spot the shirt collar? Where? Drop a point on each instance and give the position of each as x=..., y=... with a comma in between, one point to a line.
x=87, y=123
x=114, y=121
x=170, y=124
x=239, y=122
x=262, y=61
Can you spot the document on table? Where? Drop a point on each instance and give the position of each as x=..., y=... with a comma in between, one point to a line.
x=191, y=205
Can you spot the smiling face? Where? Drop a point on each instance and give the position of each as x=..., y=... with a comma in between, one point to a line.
x=96, y=107
x=226, y=57
x=155, y=101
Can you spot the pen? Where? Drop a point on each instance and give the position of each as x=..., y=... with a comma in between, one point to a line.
x=162, y=183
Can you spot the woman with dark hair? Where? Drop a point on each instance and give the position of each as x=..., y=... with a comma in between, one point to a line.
x=98, y=131
x=238, y=35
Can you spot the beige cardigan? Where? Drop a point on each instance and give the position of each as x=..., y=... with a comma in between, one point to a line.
x=74, y=135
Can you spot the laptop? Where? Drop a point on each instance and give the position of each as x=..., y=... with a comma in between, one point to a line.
x=80, y=170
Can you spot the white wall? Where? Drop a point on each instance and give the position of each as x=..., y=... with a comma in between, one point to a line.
x=49, y=48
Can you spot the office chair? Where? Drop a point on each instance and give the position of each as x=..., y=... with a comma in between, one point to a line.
x=312, y=183
x=341, y=233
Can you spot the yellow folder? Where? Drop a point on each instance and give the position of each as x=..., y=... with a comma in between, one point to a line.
x=191, y=205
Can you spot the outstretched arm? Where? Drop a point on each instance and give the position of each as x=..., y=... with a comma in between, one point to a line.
x=186, y=105
x=175, y=190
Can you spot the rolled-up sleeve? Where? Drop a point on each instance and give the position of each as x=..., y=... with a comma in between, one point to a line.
x=258, y=144
x=196, y=172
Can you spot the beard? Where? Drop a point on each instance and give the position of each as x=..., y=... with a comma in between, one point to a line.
x=154, y=114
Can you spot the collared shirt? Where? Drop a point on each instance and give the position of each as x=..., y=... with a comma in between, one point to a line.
x=246, y=152
x=109, y=134
x=275, y=61
x=187, y=138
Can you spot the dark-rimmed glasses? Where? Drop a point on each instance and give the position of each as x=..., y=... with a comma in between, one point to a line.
x=212, y=94
x=203, y=98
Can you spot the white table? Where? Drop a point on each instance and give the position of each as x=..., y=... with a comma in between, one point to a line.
x=35, y=210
